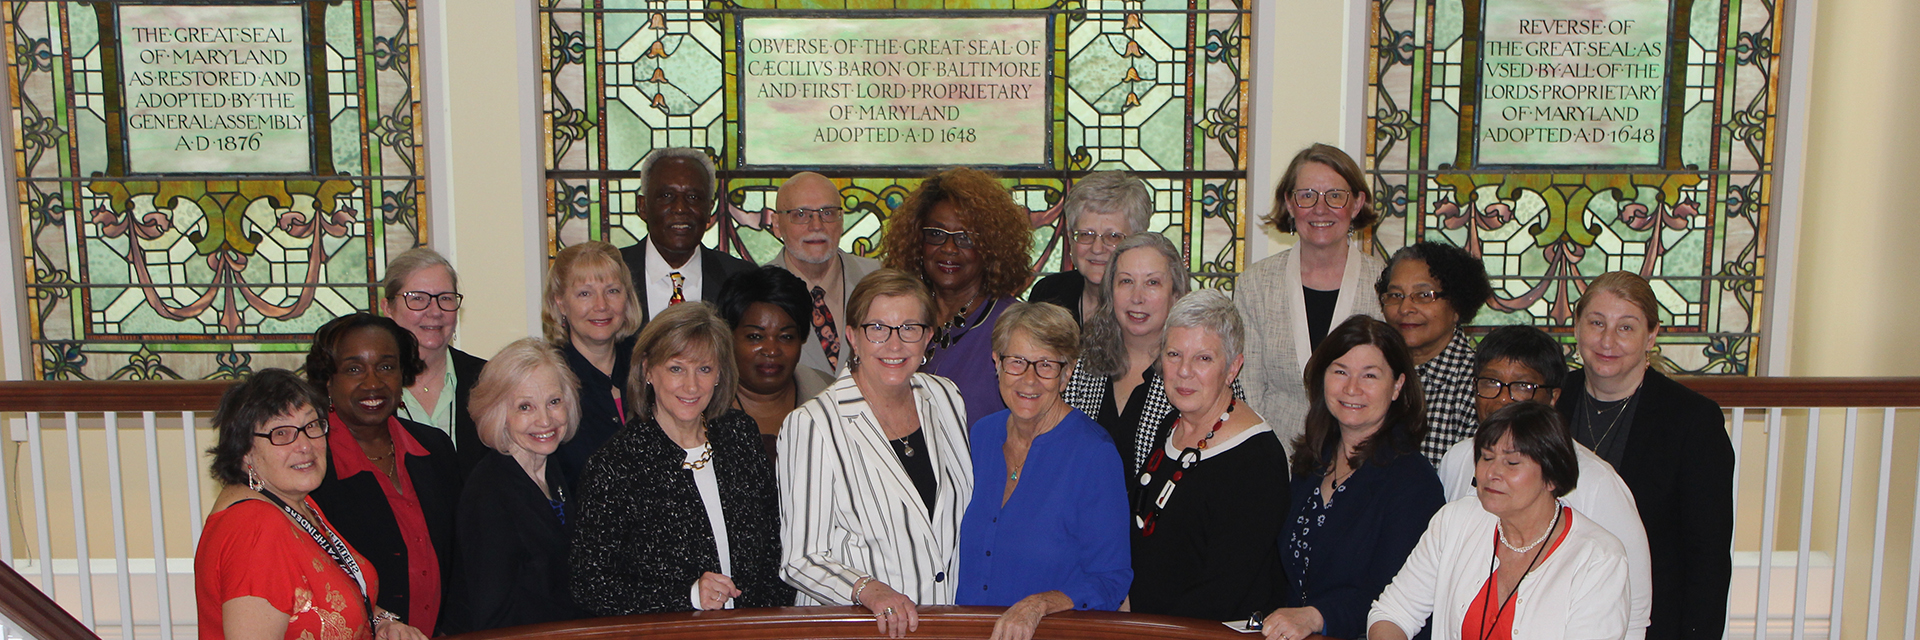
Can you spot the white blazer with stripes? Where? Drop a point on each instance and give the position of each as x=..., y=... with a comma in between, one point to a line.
x=848, y=509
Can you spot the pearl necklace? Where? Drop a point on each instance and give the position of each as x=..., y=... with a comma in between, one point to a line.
x=1502, y=535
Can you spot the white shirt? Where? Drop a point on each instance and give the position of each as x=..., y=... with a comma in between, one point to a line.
x=705, y=480
x=660, y=279
x=1578, y=593
x=1600, y=495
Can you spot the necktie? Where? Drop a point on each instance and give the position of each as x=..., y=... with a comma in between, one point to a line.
x=678, y=296
x=823, y=326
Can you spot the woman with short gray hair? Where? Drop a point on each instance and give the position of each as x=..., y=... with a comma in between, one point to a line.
x=1102, y=209
x=1210, y=499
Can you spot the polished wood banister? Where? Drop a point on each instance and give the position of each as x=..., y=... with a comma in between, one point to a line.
x=38, y=616
x=99, y=396
x=1740, y=391
x=846, y=623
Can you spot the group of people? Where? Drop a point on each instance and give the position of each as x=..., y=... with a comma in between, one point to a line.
x=1325, y=452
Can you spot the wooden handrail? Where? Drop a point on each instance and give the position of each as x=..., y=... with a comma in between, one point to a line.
x=846, y=623
x=1738, y=391
x=99, y=396
x=38, y=616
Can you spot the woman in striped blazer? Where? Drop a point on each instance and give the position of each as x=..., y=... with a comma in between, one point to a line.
x=874, y=472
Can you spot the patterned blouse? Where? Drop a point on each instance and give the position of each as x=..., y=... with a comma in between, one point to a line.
x=1303, y=528
x=252, y=549
x=1447, y=383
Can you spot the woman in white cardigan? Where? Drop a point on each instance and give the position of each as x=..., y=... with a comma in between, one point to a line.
x=875, y=472
x=1292, y=299
x=1512, y=562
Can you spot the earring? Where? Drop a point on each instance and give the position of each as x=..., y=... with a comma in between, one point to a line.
x=253, y=479
x=853, y=362
x=924, y=360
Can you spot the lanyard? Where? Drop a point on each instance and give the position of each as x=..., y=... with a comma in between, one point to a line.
x=331, y=543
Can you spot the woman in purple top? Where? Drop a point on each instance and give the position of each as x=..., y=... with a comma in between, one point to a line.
x=967, y=239
x=1046, y=530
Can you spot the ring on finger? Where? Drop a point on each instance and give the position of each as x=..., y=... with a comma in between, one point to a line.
x=887, y=612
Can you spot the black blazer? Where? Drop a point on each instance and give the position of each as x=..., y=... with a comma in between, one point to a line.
x=715, y=267
x=599, y=416
x=1375, y=522
x=643, y=538
x=512, y=549
x=1064, y=289
x=358, y=510
x=1679, y=465
x=466, y=437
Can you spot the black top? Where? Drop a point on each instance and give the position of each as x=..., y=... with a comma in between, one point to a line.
x=599, y=417
x=1064, y=289
x=1679, y=465
x=1601, y=425
x=1340, y=555
x=1320, y=306
x=1212, y=553
x=466, y=438
x=912, y=452
x=642, y=539
x=512, y=549
x=358, y=509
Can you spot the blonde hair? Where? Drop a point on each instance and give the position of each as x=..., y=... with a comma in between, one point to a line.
x=580, y=262
x=1630, y=287
x=516, y=365
x=886, y=282
x=678, y=330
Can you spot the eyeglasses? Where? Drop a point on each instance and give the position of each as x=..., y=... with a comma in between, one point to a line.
x=1111, y=238
x=1421, y=298
x=935, y=237
x=1046, y=369
x=418, y=300
x=1335, y=198
x=910, y=333
x=283, y=435
x=826, y=215
x=1489, y=388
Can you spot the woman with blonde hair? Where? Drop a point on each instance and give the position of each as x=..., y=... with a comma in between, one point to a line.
x=516, y=513
x=685, y=458
x=590, y=312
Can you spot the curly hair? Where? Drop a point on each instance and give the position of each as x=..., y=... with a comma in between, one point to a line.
x=1405, y=423
x=1462, y=277
x=326, y=345
x=1331, y=158
x=246, y=406
x=1002, y=231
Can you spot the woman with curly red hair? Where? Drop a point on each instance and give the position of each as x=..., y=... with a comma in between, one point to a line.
x=967, y=239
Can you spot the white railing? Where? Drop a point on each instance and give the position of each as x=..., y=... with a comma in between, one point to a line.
x=1826, y=479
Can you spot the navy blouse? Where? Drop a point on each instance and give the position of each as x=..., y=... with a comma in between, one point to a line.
x=1340, y=556
x=1063, y=529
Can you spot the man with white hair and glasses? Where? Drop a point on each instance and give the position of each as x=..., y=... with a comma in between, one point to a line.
x=808, y=218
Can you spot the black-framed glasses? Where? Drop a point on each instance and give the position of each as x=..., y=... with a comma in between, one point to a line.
x=1489, y=388
x=1422, y=298
x=283, y=435
x=1110, y=238
x=1335, y=198
x=418, y=300
x=1046, y=369
x=935, y=236
x=910, y=333
x=803, y=215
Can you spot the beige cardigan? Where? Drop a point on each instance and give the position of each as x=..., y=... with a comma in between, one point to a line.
x=1273, y=307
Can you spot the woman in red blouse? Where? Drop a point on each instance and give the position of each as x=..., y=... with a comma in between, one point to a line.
x=270, y=566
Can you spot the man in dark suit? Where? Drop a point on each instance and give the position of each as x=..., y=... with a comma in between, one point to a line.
x=677, y=202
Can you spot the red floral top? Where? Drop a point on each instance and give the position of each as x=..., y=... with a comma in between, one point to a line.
x=252, y=549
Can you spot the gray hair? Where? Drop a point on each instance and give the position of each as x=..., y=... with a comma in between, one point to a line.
x=1102, y=352
x=1211, y=311
x=1110, y=191
x=683, y=153
x=414, y=261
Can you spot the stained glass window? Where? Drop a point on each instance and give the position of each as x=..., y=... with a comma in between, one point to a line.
x=1155, y=87
x=1693, y=220
x=143, y=267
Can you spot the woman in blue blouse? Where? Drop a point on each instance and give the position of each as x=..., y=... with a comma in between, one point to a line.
x=1362, y=493
x=1046, y=530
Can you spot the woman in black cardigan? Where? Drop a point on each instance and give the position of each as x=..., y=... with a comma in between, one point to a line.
x=516, y=514
x=678, y=511
x=391, y=484
x=1669, y=444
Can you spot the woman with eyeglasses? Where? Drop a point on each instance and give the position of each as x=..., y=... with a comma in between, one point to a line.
x=1101, y=210
x=270, y=565
x=963, y=235
x=1046, y=531
x=1428, y=290
x=1298, y=295
x=422, y=293
x=874, y=472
